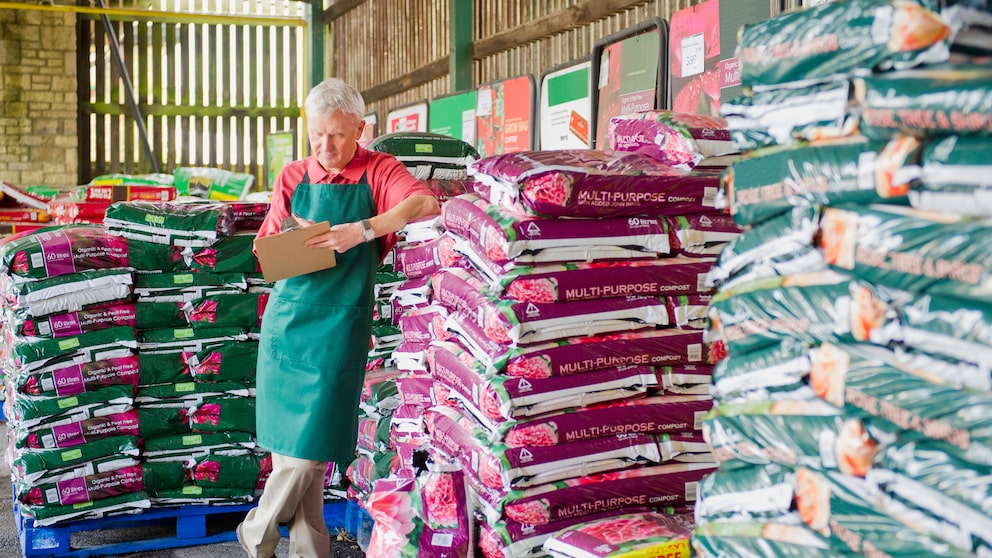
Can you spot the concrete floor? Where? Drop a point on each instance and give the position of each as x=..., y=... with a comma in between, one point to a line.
x=342, y=546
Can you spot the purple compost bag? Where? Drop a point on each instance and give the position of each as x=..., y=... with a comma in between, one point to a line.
x=926, y=102
x=589, y=183
x=658, y=486
x=788, y=116
x=500, y=398
x=65, y=324
x=248, y=216
x=921, y=252
x=72, y=379
x=770, y=248
x=704, y=234
x=650, y=534
x=424, y=258
x=822, y=306
x=685, y=379
x=581, y=354
x=445, y=190
x=66, y=434
x=410, y=357
x=415, y=389
x=769, y=182
x=63, y=251
x=569, y=282
x=955, y=176
x=422, y=325
x=650, y=415
x=676, y=139
x=505, y=236
x=838, y=39
x=690, y=311
x=793, y=433
x=412, y=292
x=919, y=474
x=509, y=539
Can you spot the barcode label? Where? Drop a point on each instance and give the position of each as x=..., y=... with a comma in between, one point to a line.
x=694, y=352
x=691, y=491
x=709, y=196
x=37, y=260
x=697, y=421
x=442, y=539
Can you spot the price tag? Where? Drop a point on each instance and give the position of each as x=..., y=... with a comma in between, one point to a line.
x=604, y=70
x=468, y=126
x=484, y=106
x=693, y=55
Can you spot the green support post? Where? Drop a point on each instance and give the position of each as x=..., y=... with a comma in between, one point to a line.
x=315, y=44
x=460, y=62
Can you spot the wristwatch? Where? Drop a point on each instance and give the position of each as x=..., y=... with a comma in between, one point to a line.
x=368, y=235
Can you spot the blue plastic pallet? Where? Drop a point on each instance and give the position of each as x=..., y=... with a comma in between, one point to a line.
x=190, y=523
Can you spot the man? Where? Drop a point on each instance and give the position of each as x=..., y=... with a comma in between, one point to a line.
x=316, y=328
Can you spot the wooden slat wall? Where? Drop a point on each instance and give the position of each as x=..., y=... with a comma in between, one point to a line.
x=396, y=37
x=209, y=93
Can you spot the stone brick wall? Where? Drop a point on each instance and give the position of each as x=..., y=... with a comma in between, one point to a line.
x=38, y=104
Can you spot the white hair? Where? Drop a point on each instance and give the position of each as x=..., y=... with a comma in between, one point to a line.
x=333, y=95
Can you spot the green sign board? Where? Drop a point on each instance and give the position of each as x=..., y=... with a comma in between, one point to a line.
x=566, y=107
x=280, y=148
x=454, y=115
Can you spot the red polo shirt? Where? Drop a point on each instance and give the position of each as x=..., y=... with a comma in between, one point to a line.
x=391, y=183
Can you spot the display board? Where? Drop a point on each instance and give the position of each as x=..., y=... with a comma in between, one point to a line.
x=505, y=116
x=630, y=70
x=371, y=130
x=407, y=118
x=454, y=115
x=565, y=108
x=704, y=68
x=280, y=149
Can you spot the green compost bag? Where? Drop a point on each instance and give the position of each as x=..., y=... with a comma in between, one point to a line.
x=161, y=421
x=954, y=494
x=793, y=433
x=782, y=245
x=925, y=102
x=224, y=413
x=73, y=378
x=155, y=315
x=775, y=372
x=747, y=494
x=955, y=176
x=183, y=287
x=154, y=257
x=227, y=362
x=162, y=368
x=822, y=306
x=226, y=310
x=184, y=447
x=192, y=391
x=64, y=324
x=769, y=182
x=76, y=490
x=94, y=345
x=195, y=495
x=787, y=116
x=63, y=251
x=844, y=510
x=428, y=156
x=948, y=327
x=130, y=503
x=905, y=398
x=187, y=339
x=99, y=455
x=759, y=539
x=921, y=252
x=68, y=293
x=175, y=223
x=838, y=39
x=34, y=411
x=219, y=470
x=164, y=475
x=232, y=254
x=212, y=184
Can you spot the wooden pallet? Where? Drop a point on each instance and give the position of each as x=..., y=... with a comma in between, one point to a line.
x=190, y=524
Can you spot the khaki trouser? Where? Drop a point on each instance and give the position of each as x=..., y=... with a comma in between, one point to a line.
x=294, y=494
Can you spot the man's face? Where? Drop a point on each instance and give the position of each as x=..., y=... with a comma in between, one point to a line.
x=333, y=138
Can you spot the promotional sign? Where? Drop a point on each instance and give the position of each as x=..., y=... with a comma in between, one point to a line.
x=280, y=148
x=408, y=118
x=371, y=128
x=566, y=106
x=504, y=116
x=704, y=69
x=454, y=115
x=630, y=70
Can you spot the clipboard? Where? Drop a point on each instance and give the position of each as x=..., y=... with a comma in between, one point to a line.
x=285, y=255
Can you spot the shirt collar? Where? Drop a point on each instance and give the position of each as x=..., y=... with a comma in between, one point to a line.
x=351, y=174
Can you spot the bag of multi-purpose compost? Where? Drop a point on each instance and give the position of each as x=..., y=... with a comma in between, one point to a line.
x=624, y=536
x=504, y=236
x=184, y=287
x=931, y=101
x=770, y=182
x=509, y=539
x=63, y=251
x=674, y=138
x=74, y=378
x=585, y=183
x=788, y=116
x=37, y=355
x=428, y=156
x=228, y=362
x=65, y=324
x=704, y=234
x=838, y=39
x=231, y=254
x=68, y=293
x=103, y=454
x=187, y=339
x=912, y=250
x=184, y=447
x=226, y=310
x=180, y=224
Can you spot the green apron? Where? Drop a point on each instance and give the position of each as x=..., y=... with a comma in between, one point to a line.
x=315, y=338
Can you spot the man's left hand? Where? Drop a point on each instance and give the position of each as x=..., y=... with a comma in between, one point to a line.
x=340, y=238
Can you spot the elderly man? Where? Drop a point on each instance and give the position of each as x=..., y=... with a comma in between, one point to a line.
x=316, y=327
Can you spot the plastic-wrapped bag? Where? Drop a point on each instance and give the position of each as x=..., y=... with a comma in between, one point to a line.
x=180, y=224
x=63, y=251
x=675, y=138
x=624, y=536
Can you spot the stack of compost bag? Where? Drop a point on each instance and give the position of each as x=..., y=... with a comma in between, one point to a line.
x=851, y=414
x=568, y=362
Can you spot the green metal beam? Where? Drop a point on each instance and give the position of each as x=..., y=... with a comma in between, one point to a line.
x=461, y=21
x=315, y=46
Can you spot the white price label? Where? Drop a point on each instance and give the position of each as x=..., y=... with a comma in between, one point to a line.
x=484, y=106
x=604, y=70
x=693, y=55
x=468, y=126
